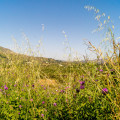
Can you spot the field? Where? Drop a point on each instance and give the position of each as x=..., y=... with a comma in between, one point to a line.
x=37, y=88
x=40, y=88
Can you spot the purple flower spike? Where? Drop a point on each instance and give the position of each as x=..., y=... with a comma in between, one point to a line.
x=82, y=82
x=82, y=87
x=6, y=88
x=55, y=104
x=104, y=91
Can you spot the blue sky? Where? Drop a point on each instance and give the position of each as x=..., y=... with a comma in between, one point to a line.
x=27, y=16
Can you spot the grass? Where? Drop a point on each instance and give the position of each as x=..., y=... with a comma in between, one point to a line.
x=54, y=90
x=44, y=89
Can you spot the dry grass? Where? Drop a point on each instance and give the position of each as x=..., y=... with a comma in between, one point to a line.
x=48, y=83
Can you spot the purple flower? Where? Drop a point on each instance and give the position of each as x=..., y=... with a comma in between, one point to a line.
x=77, y=90
x=0, y=89
x=67, y=87
x=62, y=91
x=101, y=70
x=6, y=88
x=43, y=102
x=20, y=106
x=19, y=113
x=33, y=85
x=96, y=80
x=104, y=91
x=82, y=82
x=112, y=70
x=82, y=87
x=42, y=115
x=31, y=99
x=15, y=85
x=82, y=76
x=55, y=104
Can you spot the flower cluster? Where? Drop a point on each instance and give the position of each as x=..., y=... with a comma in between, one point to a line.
x=5, y=87
x=104, y=91
x=82, y=84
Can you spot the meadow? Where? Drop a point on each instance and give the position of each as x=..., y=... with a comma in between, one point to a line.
x=36, y=88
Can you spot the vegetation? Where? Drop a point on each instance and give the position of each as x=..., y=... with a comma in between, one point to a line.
x=40, y=88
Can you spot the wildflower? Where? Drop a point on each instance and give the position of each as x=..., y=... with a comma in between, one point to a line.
x=20, y=106
x=43, y=102
x=19, y=113
x=0, y=89
x=74, y=95
x=82, y=76
x=101, y=70
x=96, y=80
x=82, y=87
x=15, y=85
x=77, y=90
x=33, y=85
x=82, y=82
x=112, y=70
x=31, y=99
x=55, y=104
x=42, y=115
x=104, y=91
x=62, y=91
x=6, y=88
x=67, y=87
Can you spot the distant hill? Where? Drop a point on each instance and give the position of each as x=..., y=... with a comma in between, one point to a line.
x=4, y=52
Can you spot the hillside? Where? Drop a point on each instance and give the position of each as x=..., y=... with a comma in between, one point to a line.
x=4, y=52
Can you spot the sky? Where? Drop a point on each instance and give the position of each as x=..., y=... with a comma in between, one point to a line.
x=51, y=22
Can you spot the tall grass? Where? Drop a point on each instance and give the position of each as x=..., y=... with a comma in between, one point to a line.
x=39, y=88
